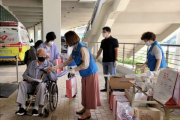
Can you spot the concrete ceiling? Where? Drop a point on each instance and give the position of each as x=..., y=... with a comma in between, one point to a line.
x=74, y=13
x=145, y=15
x=29, y=12
x=129, y=19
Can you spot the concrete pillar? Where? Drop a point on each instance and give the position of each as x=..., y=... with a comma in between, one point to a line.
x=42, y=31
x=177, y=53
x=35, y=33
x=52, y=20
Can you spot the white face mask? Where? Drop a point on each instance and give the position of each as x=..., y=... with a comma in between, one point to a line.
x=147, y=43
x=51, y=43
x=104, y=35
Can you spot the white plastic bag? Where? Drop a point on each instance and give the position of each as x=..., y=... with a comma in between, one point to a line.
x=113, y=94
x=124, y=112
x=142, y=97
x=118, y=99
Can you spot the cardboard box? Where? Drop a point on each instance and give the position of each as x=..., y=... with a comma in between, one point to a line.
x=147, y=113
x=139, y=65
x=118, y=82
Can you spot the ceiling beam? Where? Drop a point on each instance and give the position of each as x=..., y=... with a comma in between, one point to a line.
x=29, y=16
x=25, y=9
x=33, y=20
x=159, y=37
x=85, y=1
x=22, y=3
x=76, y=5
x=28, y=13
x=124, y=37
x=148, y=18
x=78, y=10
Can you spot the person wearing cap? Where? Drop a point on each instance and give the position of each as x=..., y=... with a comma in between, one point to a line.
x=51, y=48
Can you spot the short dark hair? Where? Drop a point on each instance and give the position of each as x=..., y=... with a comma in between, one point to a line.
x=71, y=38
x=148, y=36
x=50, y=36
x=108, y=29
x=38, y=43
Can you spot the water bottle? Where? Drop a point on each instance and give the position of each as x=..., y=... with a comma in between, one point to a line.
x=138, y=71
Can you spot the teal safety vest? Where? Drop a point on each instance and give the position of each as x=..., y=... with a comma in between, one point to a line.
x=152, y=59
x=76, y=55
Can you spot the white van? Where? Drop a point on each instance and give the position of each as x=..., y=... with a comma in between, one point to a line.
x=14, y=41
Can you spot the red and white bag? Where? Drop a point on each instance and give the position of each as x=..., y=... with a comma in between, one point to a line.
x=58, y=62
x=116, y=100
x=165, y=85
x=123, y=108
x=71, y=87
x=112, y=97
x=176, y=95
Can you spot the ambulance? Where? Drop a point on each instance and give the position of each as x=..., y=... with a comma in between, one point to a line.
x=14, y=41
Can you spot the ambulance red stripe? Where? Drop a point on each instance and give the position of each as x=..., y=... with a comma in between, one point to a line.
x=14, y=45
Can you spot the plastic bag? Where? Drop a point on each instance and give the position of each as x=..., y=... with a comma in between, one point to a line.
x=140, y=96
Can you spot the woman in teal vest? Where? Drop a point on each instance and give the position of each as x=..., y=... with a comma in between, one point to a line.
x=87, y=68
x=155, y=55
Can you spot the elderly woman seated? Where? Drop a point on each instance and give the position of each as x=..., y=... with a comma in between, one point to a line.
x=37, y=70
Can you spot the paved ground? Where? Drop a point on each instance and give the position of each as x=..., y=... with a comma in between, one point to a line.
x=66, y=107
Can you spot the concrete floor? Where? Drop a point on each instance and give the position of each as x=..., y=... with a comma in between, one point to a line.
x=66, y=107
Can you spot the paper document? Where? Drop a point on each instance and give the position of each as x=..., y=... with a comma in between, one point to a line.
x=34, y=80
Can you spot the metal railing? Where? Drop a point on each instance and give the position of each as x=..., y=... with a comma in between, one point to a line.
x=91, y=20
x=131, y=53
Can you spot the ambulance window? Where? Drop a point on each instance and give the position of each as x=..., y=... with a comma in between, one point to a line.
x=24, y=36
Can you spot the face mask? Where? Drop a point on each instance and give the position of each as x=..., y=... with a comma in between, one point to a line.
x=147, y=43
x=104, y=35
x=51, y=43
x=41, y=59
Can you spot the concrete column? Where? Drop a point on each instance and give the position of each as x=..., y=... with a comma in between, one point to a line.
x=35, y=33
x=52, y=20
x=42, y=31
x=177, y=53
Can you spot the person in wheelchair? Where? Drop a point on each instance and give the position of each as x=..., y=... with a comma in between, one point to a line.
x=38, y=69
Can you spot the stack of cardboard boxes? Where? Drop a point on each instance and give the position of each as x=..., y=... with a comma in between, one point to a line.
x=141, y=113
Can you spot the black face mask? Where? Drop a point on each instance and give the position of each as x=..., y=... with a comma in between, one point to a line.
x=41, y=59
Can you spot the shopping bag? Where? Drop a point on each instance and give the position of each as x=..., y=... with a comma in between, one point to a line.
x=112, y=97
x=124, y=112
x=58, y=62
x=176, y=95
x=71, y=87
x=165, y=85
x=119, y=109
x=140, y=97
x=118, y=99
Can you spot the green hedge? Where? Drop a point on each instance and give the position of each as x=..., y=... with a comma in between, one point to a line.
x=127, y=61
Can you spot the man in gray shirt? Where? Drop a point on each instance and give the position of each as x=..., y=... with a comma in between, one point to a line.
x=34, y=71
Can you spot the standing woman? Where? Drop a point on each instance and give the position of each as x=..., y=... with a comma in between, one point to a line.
x=52, y=52
x=87, y=68
x=155, y=55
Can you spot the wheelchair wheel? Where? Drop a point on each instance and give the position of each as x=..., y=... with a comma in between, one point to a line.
x=46, y=113
x=53, y=96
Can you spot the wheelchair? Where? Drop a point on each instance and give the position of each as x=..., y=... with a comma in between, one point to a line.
x=50, y=98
